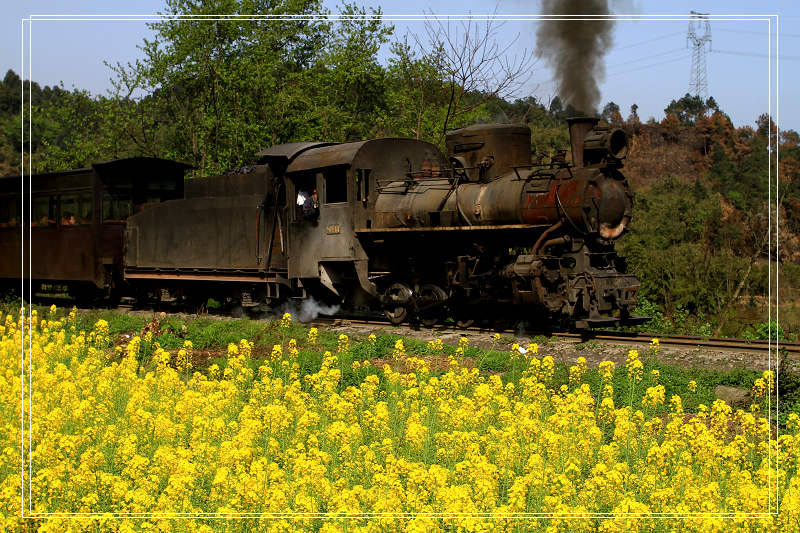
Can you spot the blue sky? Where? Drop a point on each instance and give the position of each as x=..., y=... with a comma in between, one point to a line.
x=648, y=64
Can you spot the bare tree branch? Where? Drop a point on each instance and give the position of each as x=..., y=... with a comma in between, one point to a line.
x=473, y=62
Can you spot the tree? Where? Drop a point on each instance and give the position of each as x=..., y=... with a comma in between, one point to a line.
x=611, y=114
x=473, y=65
x=689, y=108
x=633, y=116
x=556, y=107
x=609, y=109
x=10, y=93
x=218, y=90
x=347, y=81
x=416, y=96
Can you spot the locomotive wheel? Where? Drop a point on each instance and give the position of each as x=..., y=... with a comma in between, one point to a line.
x=431, y=297
x=397, y=314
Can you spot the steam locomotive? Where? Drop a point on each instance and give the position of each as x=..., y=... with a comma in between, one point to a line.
x=386, y=224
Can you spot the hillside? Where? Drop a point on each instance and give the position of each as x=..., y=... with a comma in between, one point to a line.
x=699, y=239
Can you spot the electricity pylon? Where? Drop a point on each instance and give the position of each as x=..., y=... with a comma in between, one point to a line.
x=698, y=77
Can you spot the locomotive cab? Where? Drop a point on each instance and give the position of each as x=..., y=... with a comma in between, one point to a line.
x=325, y=251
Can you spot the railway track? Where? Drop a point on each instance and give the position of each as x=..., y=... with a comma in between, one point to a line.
x=721, y=343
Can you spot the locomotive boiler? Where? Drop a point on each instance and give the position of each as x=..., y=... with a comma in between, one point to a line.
x=496, y=234
x=397, y=226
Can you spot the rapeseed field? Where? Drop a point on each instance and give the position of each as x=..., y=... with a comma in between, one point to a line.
x=134, y=432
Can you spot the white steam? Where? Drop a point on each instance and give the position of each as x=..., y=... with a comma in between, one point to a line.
x=304, y=310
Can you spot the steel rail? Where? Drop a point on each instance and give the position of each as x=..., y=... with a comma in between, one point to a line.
x=600, y=335
x=723, y=343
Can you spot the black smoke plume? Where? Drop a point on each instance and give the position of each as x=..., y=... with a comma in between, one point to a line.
x=574, y=49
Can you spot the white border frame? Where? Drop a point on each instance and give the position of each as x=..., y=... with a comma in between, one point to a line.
x=498, y=17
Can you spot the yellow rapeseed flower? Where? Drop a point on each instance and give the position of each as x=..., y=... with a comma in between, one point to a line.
x=343, y=344
x=399, y=351
x=112, y=436
x=435, y=346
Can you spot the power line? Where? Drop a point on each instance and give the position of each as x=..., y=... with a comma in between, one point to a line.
x=641, y=67
x=614, y=73
x=649, y=56
x=753, y=54
x=647, y=41
x=647, y=66
x=761, y=33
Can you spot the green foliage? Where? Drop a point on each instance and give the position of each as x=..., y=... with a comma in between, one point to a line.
x=674, y=248
x=788, y=388
x=414, y=97
x=218, y=89
x=689, y=108
x=764, y=331
x=348, y=82
x=744, y=184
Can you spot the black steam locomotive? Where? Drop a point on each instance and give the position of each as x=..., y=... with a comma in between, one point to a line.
x=388, y=224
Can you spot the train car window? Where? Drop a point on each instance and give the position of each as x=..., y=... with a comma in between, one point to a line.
x=10, y=212
x=69, y=210
x=85, y=208
x=335, y=185
x=76, y=209
x=44, y=211
x=116, y=207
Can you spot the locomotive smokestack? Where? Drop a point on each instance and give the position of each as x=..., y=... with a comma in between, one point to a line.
x=574, y=49
x=578, y=128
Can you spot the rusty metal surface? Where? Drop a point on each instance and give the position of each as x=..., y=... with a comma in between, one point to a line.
x=578, y=128
x=326, y=156
x=448, y=228
x=206, y=232
x=288, y=151
x=381, y=161
x=220, y=275
x=491, y=149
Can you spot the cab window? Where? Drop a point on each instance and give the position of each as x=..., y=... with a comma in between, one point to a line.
x=362, y=183
x=335, y=185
